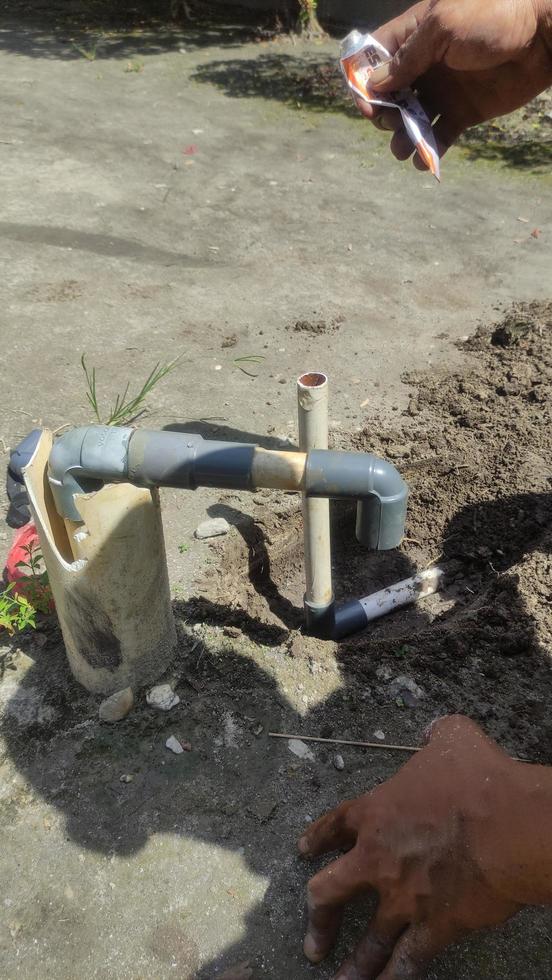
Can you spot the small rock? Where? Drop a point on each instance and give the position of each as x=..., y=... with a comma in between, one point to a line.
x=117, y=706
x=394, y=452
x=233, y=631
x=339, y=762
x=174, y=745
x=379, y=735
x=162, y=697
x=384, y=674
x=187, y=746
x=212, y=528
x=300, y=749
x=258, y=730
x=405, y=689
x=126, y=778
x=263, y=809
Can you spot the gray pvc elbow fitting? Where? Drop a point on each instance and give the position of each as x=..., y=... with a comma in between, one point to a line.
x=81, y=460
x=376, y=484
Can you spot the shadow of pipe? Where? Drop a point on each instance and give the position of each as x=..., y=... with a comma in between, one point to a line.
x=227, y=433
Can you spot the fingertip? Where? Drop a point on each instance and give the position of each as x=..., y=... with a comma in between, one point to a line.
x=418, y=162
x=312, y=949
x=303, y=846
x=381, y=76
x=401, y=145
x=347, y=971
x=367, y=110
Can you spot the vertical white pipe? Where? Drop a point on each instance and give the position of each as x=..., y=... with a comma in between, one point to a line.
x=312, y=399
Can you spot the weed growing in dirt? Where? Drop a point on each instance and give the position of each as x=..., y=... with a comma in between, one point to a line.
x=249, y=359
x=402, y=651
x=16, y=612
x=183, y=548
x=126, y=408
x=134, y=66
x=88, y=53
x=19, y=609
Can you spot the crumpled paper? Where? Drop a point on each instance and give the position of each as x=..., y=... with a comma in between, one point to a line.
x=360, y=55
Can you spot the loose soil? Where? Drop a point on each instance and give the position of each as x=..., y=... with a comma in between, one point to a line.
x=317, y=324
x=475, y=447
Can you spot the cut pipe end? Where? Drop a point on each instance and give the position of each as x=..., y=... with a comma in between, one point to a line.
x=312, y=379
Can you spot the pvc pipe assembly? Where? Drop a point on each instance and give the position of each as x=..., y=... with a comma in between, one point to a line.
x=82, y=460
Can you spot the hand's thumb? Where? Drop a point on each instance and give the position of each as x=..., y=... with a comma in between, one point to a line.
x=418, y=53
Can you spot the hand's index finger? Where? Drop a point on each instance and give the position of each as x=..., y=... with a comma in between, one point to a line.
x=395, y=32
x=328, y=892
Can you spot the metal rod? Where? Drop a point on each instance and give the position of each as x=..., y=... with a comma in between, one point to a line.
x=346, y=741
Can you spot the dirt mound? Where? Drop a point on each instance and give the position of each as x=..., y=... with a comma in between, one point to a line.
x=317, y=324
x=475, y=447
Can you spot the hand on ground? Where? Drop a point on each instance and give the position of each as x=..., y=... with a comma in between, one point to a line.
x=454, y=842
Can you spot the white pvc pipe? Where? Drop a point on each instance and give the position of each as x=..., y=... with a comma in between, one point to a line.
x=312, y=399
x=402, y=594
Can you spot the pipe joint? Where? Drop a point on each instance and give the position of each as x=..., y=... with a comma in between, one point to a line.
x=375, y=483
x=82, y=460
x=182, y=459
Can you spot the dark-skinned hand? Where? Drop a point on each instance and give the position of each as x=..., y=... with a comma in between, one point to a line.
x=459, y=839
x=468, y=60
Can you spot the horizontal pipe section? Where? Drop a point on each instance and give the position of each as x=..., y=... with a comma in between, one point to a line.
x=83, y=459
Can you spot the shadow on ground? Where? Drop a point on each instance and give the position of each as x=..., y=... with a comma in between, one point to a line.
x=244, y=792
x=531, y=155
x=98, y=30
x=311, y=82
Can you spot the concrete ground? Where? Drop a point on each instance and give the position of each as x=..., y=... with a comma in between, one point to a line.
x=164, y=195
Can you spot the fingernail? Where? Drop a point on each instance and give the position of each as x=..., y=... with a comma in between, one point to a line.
x=312, y=949
x=303, y=846
x=380, y=74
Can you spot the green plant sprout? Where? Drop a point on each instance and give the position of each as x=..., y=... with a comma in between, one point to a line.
x=249, y=359
x=18, y=609
x=88, y=53
x=16, y=612
x=125, y=410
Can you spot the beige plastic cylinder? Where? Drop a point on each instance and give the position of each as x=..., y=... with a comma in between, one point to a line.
x=109, y=580
x=312, y=400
